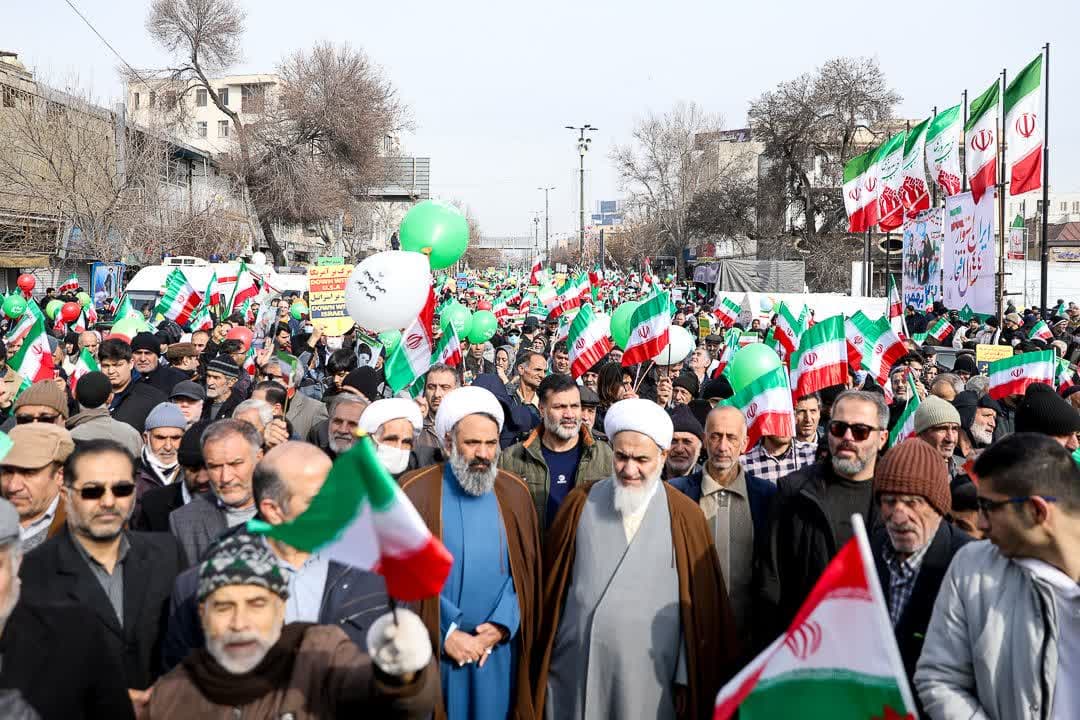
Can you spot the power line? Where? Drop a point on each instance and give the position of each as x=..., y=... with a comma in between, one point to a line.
x=106, y=42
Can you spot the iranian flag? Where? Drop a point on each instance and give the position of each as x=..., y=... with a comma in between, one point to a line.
x=215, y=292
x=448, y=350
x=905, y=424
x=914, y=193
x=68, y=286
x=766, y=405
x=547, y=296
x=943, y=149
x=125, y=309
x=838, y=658
x=34, y=360
x=538, y=275
x=86, y=363
x=360, y=517
x=201, y=319
x=413, y=355
x=896, y=309
x=1023, y=131
x=596, y=276
x=573, y=292
x=1041, y=331
x=501, y=308
x=1064, y=379
x=727, y=312
x=860, y=192
x=889, y=159
x=649, y=325
x=980, y=134
x=882, y=350
x=821, y=359
x=245, y=287
x=855, y=334
x=1012, y=376
x=940, y=329
x=180, y=298
x=589, y=340
x=789, y=330
x=731, y=345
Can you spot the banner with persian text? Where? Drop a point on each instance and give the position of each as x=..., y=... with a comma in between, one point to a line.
x=969, y=253
x=922, y=259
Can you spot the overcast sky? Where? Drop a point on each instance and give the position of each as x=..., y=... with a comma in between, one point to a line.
x=491, y=85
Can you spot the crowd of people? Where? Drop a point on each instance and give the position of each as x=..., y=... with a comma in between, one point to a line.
x=618, y=549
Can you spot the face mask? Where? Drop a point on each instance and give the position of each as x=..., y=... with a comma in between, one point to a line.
x=333, y=342
x=514, y=340
x=395, y=460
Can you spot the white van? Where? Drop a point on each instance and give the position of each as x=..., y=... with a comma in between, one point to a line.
x=149, y=283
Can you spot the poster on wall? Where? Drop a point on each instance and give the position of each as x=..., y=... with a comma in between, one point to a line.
x=106, y=282
x=922, y=259
x=968, y=256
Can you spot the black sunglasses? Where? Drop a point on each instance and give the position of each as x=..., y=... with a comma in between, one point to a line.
x=859, y=431
x=26, y=419
x=987, y=506
x=96, y=492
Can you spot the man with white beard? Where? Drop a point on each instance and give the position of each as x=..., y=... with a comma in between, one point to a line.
x=345, y=412
x=254, y=665
x=393, y=423
x=636, y=620
x=483, y=621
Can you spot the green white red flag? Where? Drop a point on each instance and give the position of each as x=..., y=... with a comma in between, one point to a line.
x=889, y=159
x=68, y=286
x=980, y=134
x=1041, y=331
x=1012, y=376
x=896, y=304
x=589, y=340
x=1065, y=376
x=215, y=292
x=1023, y=128
x=448, y=349
x=180, y=298
x=943, y=149
x=883, y=348
x=245, y=288
x=649, y=325
x=940, y=329
x=789, y=329
x=538, y=276
x=84, y=364
x=860, y=192
x=361, y=518
x=731, y=345
x=413, y=355
x=856, y=329
x=767, y=406
x=914, y=192
x=34, y=360
x=821, y=359
x=905, y=424
x=727, y=312
x=573, y=292
x=838, y=659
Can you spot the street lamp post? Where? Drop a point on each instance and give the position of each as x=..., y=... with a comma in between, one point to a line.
x=583, y=147
x=547, y=223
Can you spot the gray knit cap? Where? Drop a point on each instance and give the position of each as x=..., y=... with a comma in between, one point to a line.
x=934, y=411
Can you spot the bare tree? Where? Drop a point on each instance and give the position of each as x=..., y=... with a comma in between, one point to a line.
x=317, y=139
x=476, y=256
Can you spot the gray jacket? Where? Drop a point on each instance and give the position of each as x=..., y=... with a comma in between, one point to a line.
x=97, y=423
x=305, y=413
x=991, y=647
x=196, y=525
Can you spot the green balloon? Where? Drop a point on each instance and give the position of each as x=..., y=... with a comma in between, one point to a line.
x=298, y=310
x=457, y=315
x=52, y=308
x=483, y=327
x=620, y=322
x=435, y=228
x=390, y=340
x=750, y=363
x=14, y=306
x=83, y=298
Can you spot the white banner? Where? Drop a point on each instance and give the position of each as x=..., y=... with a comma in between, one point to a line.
x=969, y=257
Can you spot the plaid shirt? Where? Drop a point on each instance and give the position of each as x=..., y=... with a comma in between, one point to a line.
x=762, y=465
x=902, y=576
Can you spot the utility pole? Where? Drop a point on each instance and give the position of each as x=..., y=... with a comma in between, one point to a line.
x=583, y=147
x=536, y=233
x=547, y=223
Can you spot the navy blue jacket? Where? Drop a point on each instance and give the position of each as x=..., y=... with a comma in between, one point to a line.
x=759, y=494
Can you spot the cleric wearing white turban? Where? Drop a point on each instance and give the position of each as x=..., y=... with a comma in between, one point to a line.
x=463, y=401
x=393, y=424
x=643, y=416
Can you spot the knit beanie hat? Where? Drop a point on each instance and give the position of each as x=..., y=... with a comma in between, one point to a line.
x=914, y=467
x=718, y=388
x=146, y=341
x=934, y=411
x=687, y=381
x=46, y=393
x=92, y=390
x=189, y=453
x=224, y=365
x=965, y=363
x=1044, y=411
x=240, y=559
x=165, y=415
x=684, y=421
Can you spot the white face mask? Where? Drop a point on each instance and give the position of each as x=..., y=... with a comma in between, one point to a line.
x=333, y=342
x=513, y=340
x=395, y=460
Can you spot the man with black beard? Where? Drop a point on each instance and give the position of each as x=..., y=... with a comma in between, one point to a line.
x=485, y=614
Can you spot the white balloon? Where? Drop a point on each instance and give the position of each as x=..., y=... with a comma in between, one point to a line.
x=388, y=290
x=680, y=345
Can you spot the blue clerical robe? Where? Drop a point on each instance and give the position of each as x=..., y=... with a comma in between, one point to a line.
x=480, y=589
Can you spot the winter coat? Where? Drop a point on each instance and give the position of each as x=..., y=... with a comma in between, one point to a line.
x=96, y=423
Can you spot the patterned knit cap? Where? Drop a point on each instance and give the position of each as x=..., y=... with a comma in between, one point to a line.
x=240, y=559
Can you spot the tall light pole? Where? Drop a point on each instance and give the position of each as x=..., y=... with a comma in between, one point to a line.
x=547, y=223
x=582, y=147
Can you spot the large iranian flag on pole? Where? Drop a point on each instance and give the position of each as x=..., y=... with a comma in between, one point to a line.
x=180, y=298
x=981, y=137
x=821, y=360
x=889, y=159
x=1023, y=128
x=245, y=287
x=838, y=659
x=727, y=312
x=413, y=355
x=1012, y=376
x=789, y=330
x=905, y=424
x=914, y=192
x=943, y=149
x=860, y=193
x=589, y=340
x=766, y=404
x=649, y=325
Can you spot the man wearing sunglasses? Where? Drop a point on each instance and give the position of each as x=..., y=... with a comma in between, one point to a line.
x=124, y=577
x=42, y=402
x=1004, y=639
x=813, y=506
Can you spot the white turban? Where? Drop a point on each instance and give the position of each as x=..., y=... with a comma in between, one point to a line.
x=462, y=401
x=381, y=412
x=639, y=415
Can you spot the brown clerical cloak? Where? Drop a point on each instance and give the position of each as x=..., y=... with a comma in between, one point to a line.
x=424, y=488
x=708, y=624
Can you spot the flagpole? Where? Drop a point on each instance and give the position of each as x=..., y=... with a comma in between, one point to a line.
x=1002, y=187
x=963, y=165
x=1044, y=251
x=933, y=181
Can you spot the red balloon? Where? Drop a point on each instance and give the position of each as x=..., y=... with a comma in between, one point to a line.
x=27, y=282
x=70, y=311
x=483, y=305
x=242, y=334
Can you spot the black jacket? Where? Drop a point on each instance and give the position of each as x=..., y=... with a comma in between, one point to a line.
x=153, y=508
x=911, y=630
x=58, y=661
x=227, y=407
x=136, y=402
x=56, y=573
x=801, y=544
x=164, y=378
